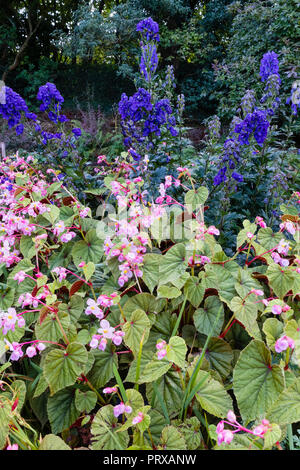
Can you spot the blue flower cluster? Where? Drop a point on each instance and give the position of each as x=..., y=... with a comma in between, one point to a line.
x=135, y=108
x=255, y=124
x=149, y=61
x=51, y=102
x=138, y=109
x=144, y=117
x=162, y=115
x=269, y=65
x=149, y=30
x=271, y=93
x=13, y=109
x=231, y=156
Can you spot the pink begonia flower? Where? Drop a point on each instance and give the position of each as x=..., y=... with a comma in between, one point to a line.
x=59, y=228
x=265, y=302
x=61, y=272
x=44, y=236
x=31, y=351
x=138, y=419
x=284, y=343
x=117, y=337
x=260, y=430
x=225, y=436
x=231, y=416
x=289, y=227
x=84, y=212
x=110, y=389
x=12, y=447
x=161, y=354
x=283, y=247
x=102, y=344
x=220, y=427
x=212, y=230
x=286, y=308
x=66, y=237
x=106, y=330
x=122, y=408
x=20, y=276
x=257, y=292
x=276, y=309
x=15, y=348
x=161, y=345
x=94, y=309
x=81, y=264
x=260, y=221
x=40, y=347
x=250, y=235
x=94, y=342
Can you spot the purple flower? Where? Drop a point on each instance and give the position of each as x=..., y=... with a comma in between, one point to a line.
x=149, y=29
x=48, y=94
x=221, y=176
x=255, y=124
x=149, y=61
x=269, y=65
x=13, y=109
x=76, y=131
x=237, y=176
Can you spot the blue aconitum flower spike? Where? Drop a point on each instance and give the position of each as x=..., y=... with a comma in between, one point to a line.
x=269, y=65
x=13, y=109
x=76, y=131
x=149, y=29
x=255, y=124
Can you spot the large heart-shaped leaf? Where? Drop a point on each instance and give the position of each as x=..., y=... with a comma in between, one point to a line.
x=151, y=270
x=102, y=370
x=257, y=382
x=173, y=264
x=204, y=318
x=89, y=250
x=281, y=279
x=105, y=431
x=268, y=239
x=136, y=329
x=196, y=198
x=176, y=351
x=212, y=396
x=170, y=389
x=62, y=411
x=221, y=278
x=194, y=290
x=220, y=356
x=286, y=408
x=245, y=311
x=171, y=439
x=154, y=369
x=49, y=328
x=62, y=367
x=85, y=401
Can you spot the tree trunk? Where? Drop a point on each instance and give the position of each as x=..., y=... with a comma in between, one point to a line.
x=18, y=57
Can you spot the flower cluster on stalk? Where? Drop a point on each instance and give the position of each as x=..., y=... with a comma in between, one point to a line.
x=145, y=117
